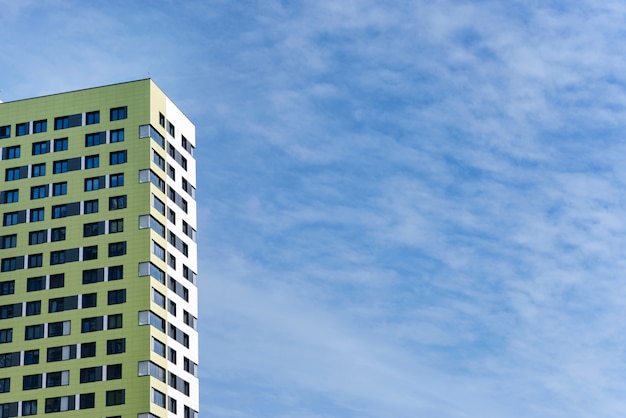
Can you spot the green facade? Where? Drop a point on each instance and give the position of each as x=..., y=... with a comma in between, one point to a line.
x=120, y=198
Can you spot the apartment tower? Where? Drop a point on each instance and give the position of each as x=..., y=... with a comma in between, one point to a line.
x=98, y=299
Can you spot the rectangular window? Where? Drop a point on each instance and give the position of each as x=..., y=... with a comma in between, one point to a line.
x=116, y=296
x=35, y=260
x=40, y=126
x=38, y=170
x=8, y=241
x=7, y=288
x=114, y=371
x=93, y=229
x=5, y=131
x=9, y=360
x=116, y=180
x=114, y=321
x=158, y=160
x=62, y=353
x=91, y=374
x=116, y=346
x=116, y=225
x=64, y=403
x=54, y=379
x=90, y=252
x=158, y=251
x=90, y=300
x=33, y=308
x=60, y=166
x=61, y=144
x=116, y=273
x=11, y=311
x=37, y=215
x=22, y=129
x=34, y=284
x=115, y=397
x=6, y=335
x=56, y=329
x=66, y=303
x=119, y=113
x=12, y=263
x=33, y=332
x=58, y=234
x=117, y=249
x=31, y=357
x=158, y=205
x=59, y=189
x=92, y=324
x=91, y=206
x=92, y=161
x=158, y=398
x=64, y=256
x=29, y=408
x=9, y=196
x=158, y=347
x=12, y=174
x=93, y=276
x=91, y=140
x=57, y=280
x=87, y=350
x=39, y=192
x=33, y=381
x=117, y=135
x=87, y=400
x=158, y=298
x=41, y=148
x=37, y=237
x=117, y=157
x=93, y=118
x=117, y=202
x=94, y=183
x=11, y=153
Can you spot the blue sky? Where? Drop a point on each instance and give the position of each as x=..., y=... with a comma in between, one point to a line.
x=407, y=208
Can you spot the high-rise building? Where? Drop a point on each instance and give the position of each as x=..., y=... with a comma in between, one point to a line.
x=98, y=259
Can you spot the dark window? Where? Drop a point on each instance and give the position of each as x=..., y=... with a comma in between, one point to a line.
x=8, y=241
x=35, y=260
x=92, y=161
x=10, y=153
x=37, y=237
x=116, y=296
x=5, y=387
x=114, y=321
x=91, y=206
x=93, y=276
x=161, y=120
x=117, y=157
x=11, y=311
x=41, y=148
x=94, y=183
x=31, y=357
x=39, y=170
x=64, y=256
x=91, y=374
x=117, y=248
x=56, y=329
x=36, y=215
x=22, y=129
x=66, y=303
x=116, y=273
x=116, y=346
x=33, y=308
x=92, y=324
x=55, y=379
x=70, y=121
x=93, y=118
x=118, y=113
x=87, y=350
x=116, y=180
x=117, y=202
x=114, y=371
x=5, y=132
x=87, y=400
x=12, y=174
x=171, y=129
x=34, y=284
x=90, y=300
x=91, y=140
x=59, y=167
x=40, y=126
x=58, y=234
x=60, y=144
x=39, y=192
x=93, y=229
x=29, y=408
x=90, y=253
x=9, y=360
x=33, y=381
x=33, y=332
x=117, y=135
x=7, y=288
x=66, y=352
x=115, y=397
x=12, y=264
x=59, y=189
x=57, y=280
x=116, y=225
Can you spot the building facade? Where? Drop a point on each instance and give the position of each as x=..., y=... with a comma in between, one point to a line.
x=98, y=259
